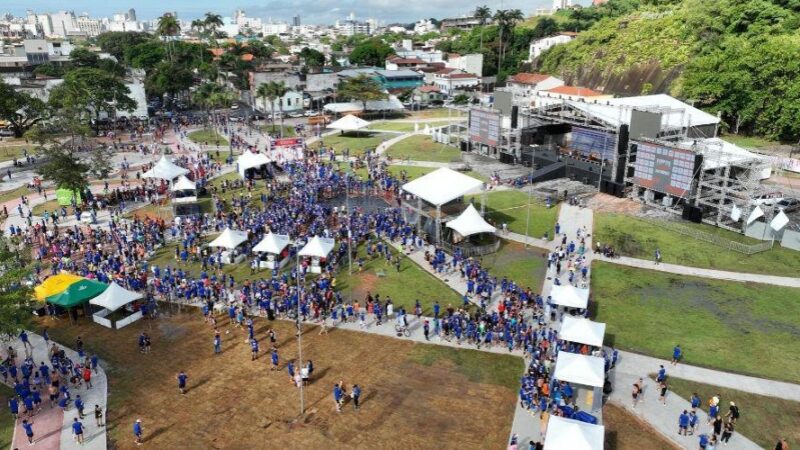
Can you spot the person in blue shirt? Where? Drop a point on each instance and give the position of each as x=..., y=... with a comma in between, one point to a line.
x=356, y=394
x=274, y=358
x=703, y=441
x=695, y=401
x=13, y=406
x=77, y=430
x=94, y=361
x=182, y=377
x=217, y=342
x=137, y=432
x=28, y=427
x=79, y=406
x=693, y=422
x=676, y=355
x=337, y=397
x=683, y=423
x=253, y=349
x=662, y=374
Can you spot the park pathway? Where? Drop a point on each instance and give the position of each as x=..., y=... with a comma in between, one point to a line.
x=53, y=428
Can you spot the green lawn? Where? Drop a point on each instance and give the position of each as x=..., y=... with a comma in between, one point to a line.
x=207, y=136
x=754, y=142
x=638, y=238
x=50, y=206
x=356, y=142
x=11, y=151
x=6, y=423
x=762, y=419
x=14, y=194
x=165, y=256
x=740, y=327
x=524, y=266
x=405, y=287
x=511, y=207
x=436, y=113
x=288, y=130
x=406, y=127
x=423, y=148
x=230, y=193
x=476, y=366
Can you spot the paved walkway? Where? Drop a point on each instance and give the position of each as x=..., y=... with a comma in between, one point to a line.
x=705, y=273
x=53, y=428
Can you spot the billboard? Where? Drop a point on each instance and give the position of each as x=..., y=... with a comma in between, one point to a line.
x=484, y=127
x=287, y=142
x=664, y=169
x=595, y=143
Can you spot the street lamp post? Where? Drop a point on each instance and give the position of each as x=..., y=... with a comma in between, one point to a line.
x=299, y=329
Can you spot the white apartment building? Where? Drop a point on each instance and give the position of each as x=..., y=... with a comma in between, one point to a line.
x=64, y=23
x=91, y=27
x=538, y=46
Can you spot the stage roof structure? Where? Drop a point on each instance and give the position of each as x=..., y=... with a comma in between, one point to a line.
x=583, y=331
x=165, y=170
x=229, y=239
x=570, y=296
x=443, y=186
x=580, y=369
x=470, y=222
x=573, y=435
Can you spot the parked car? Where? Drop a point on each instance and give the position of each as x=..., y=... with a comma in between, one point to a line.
x=295, y=115
x=789, y=204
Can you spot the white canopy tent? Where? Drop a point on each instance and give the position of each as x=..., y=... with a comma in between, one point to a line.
x=390, y=104
x=583, y=331
x=165, y=170
x=229, y=239
x=349, y=123
x=187, y=189
x=580, y=369
x=570, y=296
x=470, y=222
x=573, y=435
x=272, y=246
x=317, y=248
x=250, y=160
x=112, y=299
x=442, y=186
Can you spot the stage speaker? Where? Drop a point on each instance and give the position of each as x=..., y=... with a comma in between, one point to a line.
x=696, y=215
x=604, y=186
x=686, y=214
x=514, y=116
x=464, y=146
x=619, y=190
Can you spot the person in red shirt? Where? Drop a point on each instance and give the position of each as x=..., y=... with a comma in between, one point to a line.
x=87, y=376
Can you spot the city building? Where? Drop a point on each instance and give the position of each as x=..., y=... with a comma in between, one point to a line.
x=451, y=80
x=91, y=27
x=538, y=46
x=526, y=84
x=64, y=22
x=462, y=23
x=351, y=27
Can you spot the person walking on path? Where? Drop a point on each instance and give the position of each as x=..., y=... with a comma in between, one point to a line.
x=77, y=430
x=663, y=392
x=137, y=432
x=635, y=393
x=677, y=353
x=28, y=427
x=217, y=342
x=683, y=424
x=26, y=344
x=338, y=396
x=274, y=359
x=182, y=377
x=727, y=432
x=733, y=413
x=253, y=349
x=79, y=405
x=658, y=256
x=98, y=415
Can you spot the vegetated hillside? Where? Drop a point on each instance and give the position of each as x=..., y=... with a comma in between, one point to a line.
x=738, y=57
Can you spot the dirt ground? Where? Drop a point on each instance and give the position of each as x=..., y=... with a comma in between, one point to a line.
x=234, y=402
x=609, y=203
x=624, y=431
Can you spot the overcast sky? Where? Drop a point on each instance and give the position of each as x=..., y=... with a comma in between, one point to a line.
x=310, y=11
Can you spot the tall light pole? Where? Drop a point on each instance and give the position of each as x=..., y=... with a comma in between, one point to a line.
x=299, y=328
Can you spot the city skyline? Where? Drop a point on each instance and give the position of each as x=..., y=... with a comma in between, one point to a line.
x=320, y=12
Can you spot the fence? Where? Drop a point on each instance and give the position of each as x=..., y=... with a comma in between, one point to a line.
x=747, y=249
x=470, y=250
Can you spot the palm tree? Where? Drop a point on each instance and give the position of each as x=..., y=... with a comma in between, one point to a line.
x=482, y=13
x=506, y=20
x=265, y=92
x=212, y=22
x=168, y=27
x=198, y=26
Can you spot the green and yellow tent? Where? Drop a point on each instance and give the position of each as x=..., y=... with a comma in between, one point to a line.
x=78, y=293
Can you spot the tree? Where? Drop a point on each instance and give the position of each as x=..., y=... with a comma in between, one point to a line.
x=146, y=55
x=63, y=168
x=371, y=52
x=91, y=92
x=20, y=109
x=506, y=21
x=82, y=57
x=212, y=23
x=115, y=42
x=49, y=70
x=168, y=78
x=461, y=99
x=362, y=88
x=273, y=91
x=482, y=13
x=168, y=27
x=15, y=295
x=313, y=59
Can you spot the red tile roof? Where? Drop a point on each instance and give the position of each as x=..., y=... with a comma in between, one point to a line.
x=529, y=78
x=398, y=60
x=575, y=91
x=460, y=75
x=429, y=89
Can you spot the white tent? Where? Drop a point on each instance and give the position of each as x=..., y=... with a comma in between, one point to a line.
x=318, y=247
x=349, y=123
x=229, y=239
x=250, y=160
x=580, y=369
x=583, y=331
x=112, y=299
x=390, y=104
x=272, y=243
x=184, y=184
x=470, y=222
x=165, y=170
x=570, y=296
x=573, y=435
x=442, y=186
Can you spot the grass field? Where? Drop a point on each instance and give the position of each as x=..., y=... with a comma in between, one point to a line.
x=407, y=127
x=423, y=148
x=405, y=287
x=7, y=424
x=625, y=431
x=526, y=267
x=50, y=206
x=288, y=130
x=210, y=137
x=410, y=392
x=436, y=113
x=11, y=151
x=511, y=207
x=356, y=142
x=755, y=142
x=634, y=237
x=763, y=419
x=14, y=194
x=739, y=327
